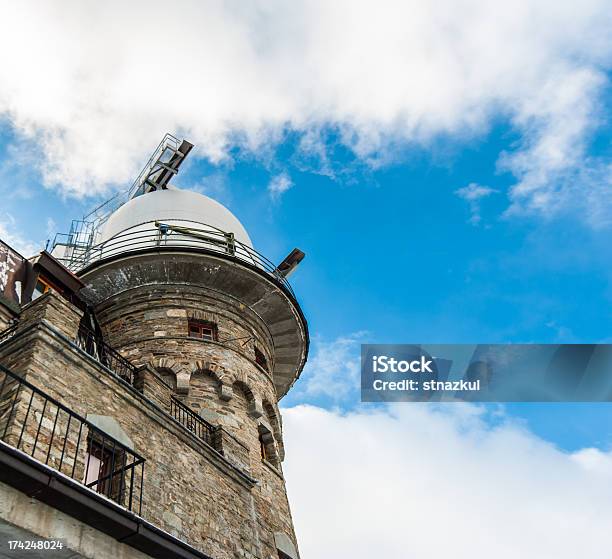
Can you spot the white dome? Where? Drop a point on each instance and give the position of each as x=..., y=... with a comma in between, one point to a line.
x=174, y=206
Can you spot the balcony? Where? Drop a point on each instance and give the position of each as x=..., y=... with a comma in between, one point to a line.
x=54, y=456
x=174, y=234
x=44, y=429
x=104, y=354
x=191, y=421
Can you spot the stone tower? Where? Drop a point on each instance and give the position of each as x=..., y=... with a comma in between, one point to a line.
x=178, y=348
x=182, y=291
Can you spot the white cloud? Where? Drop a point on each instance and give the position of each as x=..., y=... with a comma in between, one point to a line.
x=97, y=91
x=51, y=227
x=13, y=237
x=279, y=184
x=418, y=481
x=473, y=193
x=332, y=369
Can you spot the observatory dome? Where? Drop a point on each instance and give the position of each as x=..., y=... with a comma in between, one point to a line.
x=174, y=206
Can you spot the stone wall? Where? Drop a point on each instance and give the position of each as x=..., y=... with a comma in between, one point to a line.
x=201, y=494
x=150, y=312
x=218, y=379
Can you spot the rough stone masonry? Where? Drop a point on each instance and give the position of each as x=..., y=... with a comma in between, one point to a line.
x=224, y=496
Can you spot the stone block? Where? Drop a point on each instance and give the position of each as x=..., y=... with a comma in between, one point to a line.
x=182, y=382
x=56, y=311
x=110, y=426
x=177, y=313
x=256, y=408
x=225, y=392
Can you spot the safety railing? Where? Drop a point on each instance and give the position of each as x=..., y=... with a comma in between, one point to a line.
x=162, y=155
x=50, y=432
x=191, y=420
x=8, y=333
x=95, y=346
x=179, y=234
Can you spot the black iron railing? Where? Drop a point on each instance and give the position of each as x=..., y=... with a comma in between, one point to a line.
x=95, y=346
x=191, y=420
x=50, y=432
x=7, y=333
x=177, y=233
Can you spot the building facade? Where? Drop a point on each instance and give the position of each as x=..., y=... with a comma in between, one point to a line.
x=140, y=386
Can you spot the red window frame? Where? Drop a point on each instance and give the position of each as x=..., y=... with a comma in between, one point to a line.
x=202, y=329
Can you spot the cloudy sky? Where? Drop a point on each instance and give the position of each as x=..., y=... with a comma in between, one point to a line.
x=447, y=168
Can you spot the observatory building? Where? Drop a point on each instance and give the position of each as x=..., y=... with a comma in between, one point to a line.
x=142, y=360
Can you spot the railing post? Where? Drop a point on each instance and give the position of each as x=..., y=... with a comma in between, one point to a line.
x=52, y=436
x=131, y=487
x=142, y=465
x=76, y=451
x=65, y=441
x=112, y=472
x=122, y=477
x=25, y=420
x=231, y=243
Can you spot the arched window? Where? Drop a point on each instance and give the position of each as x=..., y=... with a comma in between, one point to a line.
x=267, y=446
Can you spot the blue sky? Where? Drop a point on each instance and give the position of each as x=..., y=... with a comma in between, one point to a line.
x=394, y=256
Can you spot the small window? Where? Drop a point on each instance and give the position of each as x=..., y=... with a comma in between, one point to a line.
x=260, y=358
x=203, y=329
x=262, y=448
x=42, y=286
x=105, y=469
x=97, y=466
